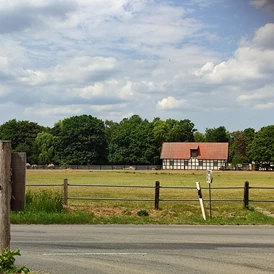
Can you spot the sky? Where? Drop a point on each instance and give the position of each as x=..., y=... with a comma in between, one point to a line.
x=210, y=61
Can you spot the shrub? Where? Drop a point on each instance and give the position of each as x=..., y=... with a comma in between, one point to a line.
x=7, y=263
x=142, y=213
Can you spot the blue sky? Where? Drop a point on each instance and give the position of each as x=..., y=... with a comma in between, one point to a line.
x=210, y=61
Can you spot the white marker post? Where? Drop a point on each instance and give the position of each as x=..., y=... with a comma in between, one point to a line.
x=201, y=199
x=209, y=179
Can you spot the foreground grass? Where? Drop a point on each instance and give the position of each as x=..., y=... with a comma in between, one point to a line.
x=126, y=212
x=171, y=215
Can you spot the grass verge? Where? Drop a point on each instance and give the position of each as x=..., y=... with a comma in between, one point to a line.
x=44, y=204
x=45, y=207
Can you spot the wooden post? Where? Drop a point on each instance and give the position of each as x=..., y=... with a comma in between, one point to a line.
x=5, y=194
x=65, y=191
x=157, y=195
x=246, y=194
x=18, y=193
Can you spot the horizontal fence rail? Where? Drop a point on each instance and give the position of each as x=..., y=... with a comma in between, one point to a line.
x=156, y=199
x=45, y=185
x=102, y=185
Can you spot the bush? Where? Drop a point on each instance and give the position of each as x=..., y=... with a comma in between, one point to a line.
x=7, y=263
x=142, y=213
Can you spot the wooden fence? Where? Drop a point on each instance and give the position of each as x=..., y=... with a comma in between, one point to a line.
x=157, y=198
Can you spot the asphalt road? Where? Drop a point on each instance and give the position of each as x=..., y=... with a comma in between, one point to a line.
x=146, y=249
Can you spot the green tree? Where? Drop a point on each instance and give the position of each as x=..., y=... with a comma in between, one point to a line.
x=132, y=142
x=160, y=131
x=110, y=126
x=199, y=137
x=22, y=135
x=239, y=146
x=80, y=140
x=45, y=146
x=249, y=133
x=173, y=131
x=219, y=134
x=182, y=131
x=262, y=146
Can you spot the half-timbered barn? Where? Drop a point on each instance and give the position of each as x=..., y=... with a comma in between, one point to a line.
x=194, y=155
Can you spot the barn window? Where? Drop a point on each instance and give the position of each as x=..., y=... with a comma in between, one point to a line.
x=215, y=163
x=171, y=162
x=200, y=162
x=186, y=163
x=193, y=152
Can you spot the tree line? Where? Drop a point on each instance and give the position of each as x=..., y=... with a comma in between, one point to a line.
x=87, y=140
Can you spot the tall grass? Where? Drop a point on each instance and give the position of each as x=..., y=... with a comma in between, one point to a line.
x=45, y=201
x=46, y=207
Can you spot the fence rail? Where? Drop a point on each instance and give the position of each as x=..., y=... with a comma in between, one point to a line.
x=156, y=199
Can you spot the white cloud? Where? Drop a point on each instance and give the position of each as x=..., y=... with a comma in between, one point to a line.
x=258, y=99
x=266, y=4
x=171, y=103
x=33, y=78
x=46, y=110
x=91, y=91
x=32, y=14
x=4, y=91
x=253, y=60
x=104, y=92
x=12, y=54
x=264, y=36
x=82, y=69
x=267, y=92
x=127, y=90
x=269, y=105
x=108, y=108
x=208, y=67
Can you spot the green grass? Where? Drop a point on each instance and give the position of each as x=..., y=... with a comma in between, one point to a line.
x=46, y=207
x=126, y=212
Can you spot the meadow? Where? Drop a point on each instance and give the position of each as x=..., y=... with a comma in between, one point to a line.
x=143, y=212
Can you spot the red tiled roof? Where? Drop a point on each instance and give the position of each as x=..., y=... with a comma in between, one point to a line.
x=206, y=151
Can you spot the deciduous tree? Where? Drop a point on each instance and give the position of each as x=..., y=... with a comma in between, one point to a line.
x=22, y=135
x=80, y=140
x=219, y=134
x=133, y=142
x=262, y=146
x=45, y=146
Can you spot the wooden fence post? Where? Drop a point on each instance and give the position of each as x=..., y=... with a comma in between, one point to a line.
x=65, y=191
x=18, y=193
x=246, y=194
x=5, y=194
x=157, y=195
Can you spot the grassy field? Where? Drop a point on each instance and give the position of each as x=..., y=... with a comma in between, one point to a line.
x=169, y=212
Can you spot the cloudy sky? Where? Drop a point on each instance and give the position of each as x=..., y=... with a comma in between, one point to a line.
x=210, y=61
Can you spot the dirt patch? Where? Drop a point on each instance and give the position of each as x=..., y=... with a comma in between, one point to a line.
x=265, y=212
x=111, y=211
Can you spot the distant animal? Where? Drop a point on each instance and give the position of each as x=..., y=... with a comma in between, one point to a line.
x=50, y=165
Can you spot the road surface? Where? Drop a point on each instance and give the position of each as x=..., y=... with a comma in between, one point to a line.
x=145, y=249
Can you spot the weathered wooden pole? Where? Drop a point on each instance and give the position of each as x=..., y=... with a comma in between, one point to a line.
x=157, y=195
x=18, y=184
x=5, y=194
x=65, y=191
x=246, y=194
